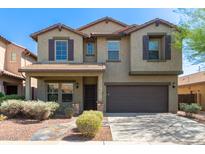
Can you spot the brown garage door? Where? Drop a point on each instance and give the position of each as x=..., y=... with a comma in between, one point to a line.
x=141, y=98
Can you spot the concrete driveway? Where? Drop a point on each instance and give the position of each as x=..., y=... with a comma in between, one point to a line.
x=156, y=129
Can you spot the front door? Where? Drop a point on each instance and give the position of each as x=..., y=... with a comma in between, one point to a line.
x=90, y=97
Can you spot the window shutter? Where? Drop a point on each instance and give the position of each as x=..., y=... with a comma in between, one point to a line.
x=51, y=50
x=168, y=47
x=145, y=47
x=70, y=49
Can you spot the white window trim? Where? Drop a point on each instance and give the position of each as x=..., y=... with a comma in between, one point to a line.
x=66, y=50
x=108, y=50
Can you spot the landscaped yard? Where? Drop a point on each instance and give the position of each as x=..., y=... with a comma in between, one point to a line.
x=37, y=121
x=21, y=129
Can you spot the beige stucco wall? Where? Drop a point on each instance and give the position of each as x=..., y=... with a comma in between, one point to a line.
x=77, y=92
x=119, y=71
x=43, y=44
x=136, y=52
x=13, y=66
x=2, y=54
x=103, y=27
x=195, y=89
x=130, y=53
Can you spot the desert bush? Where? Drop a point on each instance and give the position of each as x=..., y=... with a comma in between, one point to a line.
x=97, y=113
x=38, y=110
x=53, y=107
x=1, y=94
x=182, y=106
x=69, y=112
x=11, y=108
x=192, y=108
x=2, y=117
x=88, y=124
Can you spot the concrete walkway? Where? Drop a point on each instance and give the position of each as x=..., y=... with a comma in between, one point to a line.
x=55, y=132
x=156, y=128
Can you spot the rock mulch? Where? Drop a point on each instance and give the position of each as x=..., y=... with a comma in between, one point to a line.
x=23, y=129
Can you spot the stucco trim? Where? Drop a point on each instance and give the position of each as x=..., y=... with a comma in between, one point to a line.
x=137, y=83
x=155, y=72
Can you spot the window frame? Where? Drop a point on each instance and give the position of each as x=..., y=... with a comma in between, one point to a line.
x=67, y=58
x=159, y=44
x=55, y=93
x=93, y=52
x=13, y=52
x=66, y=93
x=113, y=60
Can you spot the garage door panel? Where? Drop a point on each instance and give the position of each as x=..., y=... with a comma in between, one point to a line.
x=137, y=98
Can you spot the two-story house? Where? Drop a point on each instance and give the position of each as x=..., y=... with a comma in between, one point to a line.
x=108, y=65
x=13, y=57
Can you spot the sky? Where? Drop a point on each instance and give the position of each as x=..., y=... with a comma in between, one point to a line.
x=17, y=24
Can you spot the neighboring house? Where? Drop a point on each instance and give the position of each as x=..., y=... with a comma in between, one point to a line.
x=193, y=84
x=13, y=57
x=108, y=65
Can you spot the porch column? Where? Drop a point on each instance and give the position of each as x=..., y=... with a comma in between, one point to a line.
x=28, y=87
x=2, y=87
x=100, y=105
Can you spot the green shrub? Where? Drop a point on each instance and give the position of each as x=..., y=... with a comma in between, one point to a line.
x=182, y=106
x=1, y=94
x=88, y=124
x=97, y=113
x=38, y=110
x=192, y=108
x=69, y=112
x=2, y=117
x=8, y=97
x=11, y=108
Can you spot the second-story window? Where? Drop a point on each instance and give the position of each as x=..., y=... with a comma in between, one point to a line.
x=153, y=52
x=90, y=49
x=61, y=50
x=113, y=50
x=13, y=56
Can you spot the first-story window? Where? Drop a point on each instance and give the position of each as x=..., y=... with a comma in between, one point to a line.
x=67, y=92
x=61, y=50
x=52, y=91
x=90, y=49
x=113, y=50
x=153, y=52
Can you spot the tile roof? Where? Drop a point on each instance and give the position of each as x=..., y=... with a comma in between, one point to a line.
x=7, y=73
x=26, y=51
x=59, y=26
x=100, y=20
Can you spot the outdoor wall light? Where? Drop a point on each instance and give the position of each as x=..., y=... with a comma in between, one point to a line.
x=77, y=85
x=173, y=84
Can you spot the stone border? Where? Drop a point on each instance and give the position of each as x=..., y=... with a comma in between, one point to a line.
x=191, y=115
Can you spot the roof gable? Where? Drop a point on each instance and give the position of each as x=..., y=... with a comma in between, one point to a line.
x=156, y=21
x=59, y=26
x=101, y=20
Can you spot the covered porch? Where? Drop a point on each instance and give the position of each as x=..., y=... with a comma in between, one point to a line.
x=78, y=85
